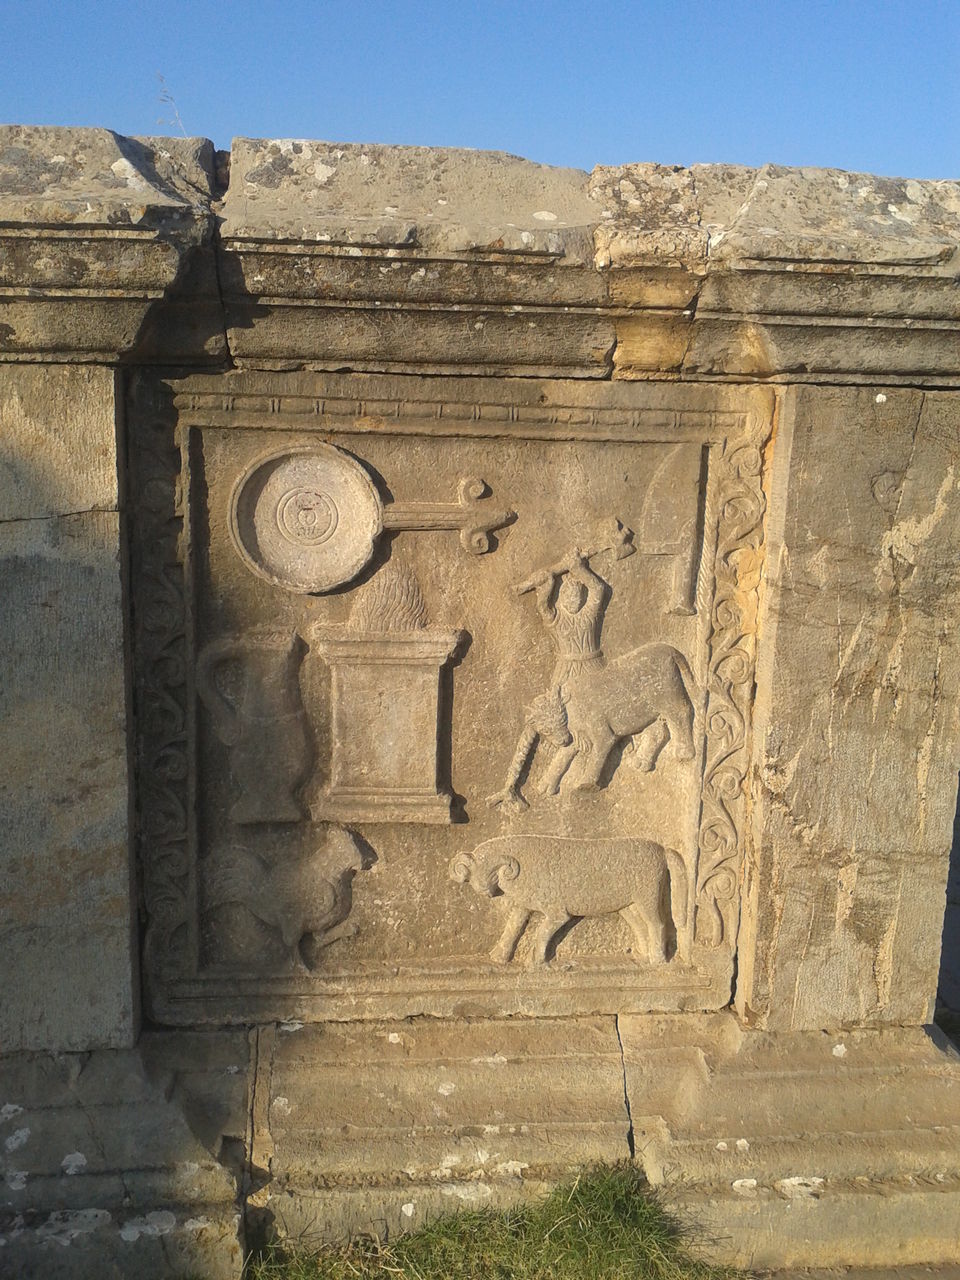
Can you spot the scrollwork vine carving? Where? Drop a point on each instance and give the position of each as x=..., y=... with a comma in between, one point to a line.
x=740, y=504
x=159, y=644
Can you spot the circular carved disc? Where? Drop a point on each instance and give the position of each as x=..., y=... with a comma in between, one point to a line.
x=306, y=519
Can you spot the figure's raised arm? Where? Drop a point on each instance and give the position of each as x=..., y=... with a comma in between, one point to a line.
x=545, y=602
x=579, y=570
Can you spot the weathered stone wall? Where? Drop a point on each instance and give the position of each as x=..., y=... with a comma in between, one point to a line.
x=68, y=924
x=439, y=584
x=856, y=776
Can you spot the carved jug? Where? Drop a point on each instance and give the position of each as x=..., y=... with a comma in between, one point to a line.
x=264, y=724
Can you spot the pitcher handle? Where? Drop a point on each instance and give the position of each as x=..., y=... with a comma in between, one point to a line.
x=226, y=718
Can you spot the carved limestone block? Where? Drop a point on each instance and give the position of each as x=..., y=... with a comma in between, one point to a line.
x=648, y=686
x=561, y=879
x=386, y=706
x=469, y=515
x=671, y=521
x=641, y=700
x=609, y=535
x=264, y=725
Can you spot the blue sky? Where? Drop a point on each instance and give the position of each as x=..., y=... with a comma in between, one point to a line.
x=857, y=84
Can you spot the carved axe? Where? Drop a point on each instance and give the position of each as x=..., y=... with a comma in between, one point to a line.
x=609, y=535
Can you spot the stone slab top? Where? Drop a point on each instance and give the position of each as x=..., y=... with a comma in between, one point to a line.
x=52, y=176
x=776, y=214
x=454, y=201
x=446, y=199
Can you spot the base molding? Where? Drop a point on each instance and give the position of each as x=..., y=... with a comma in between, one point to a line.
x=799, y=1150
x=805, y=1149
x=115, y=1164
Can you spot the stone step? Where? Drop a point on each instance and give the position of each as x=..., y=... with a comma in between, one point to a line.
x=830, y=1067
x=851, y=1101
x=883, y=1153
x=30, y=1082
x=441, y=1153
x=429, y=1101
x=949, y=1272
x=153, y=1244
x=96, y=1139
x=725, y=1045
x=316, y=1215
x=187, y=1183
x=912, y=1048
x=892, y=1223
x=410, y=1094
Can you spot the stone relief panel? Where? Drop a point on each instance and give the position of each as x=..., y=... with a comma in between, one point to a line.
x=390, y=647
x=638, y=702
x=306, y=519
x=671, y=523
x=301, y=898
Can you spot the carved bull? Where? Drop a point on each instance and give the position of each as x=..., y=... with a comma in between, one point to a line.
x=646, y=689
x=563, y=879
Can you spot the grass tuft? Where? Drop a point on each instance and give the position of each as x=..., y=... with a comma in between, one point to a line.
x=603, y=1226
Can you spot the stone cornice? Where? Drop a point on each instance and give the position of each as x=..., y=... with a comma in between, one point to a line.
x=98, y=230
x=409, y=259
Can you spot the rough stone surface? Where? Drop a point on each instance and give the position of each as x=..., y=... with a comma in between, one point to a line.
x=416, y=1118
x=385, y=258
x=801, y=1148
x=857, y=712
x=68, y=944
x=94, y=177
x=454, y=201
x=445, y=201
x=949, y=989
x=111, y=1163
x=728, y=213
x=866, y=1273
x=95, y=229
x=711, y=271
x=58, y=443
x=506, y=619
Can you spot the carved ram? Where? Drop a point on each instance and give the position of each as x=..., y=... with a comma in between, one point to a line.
x=562, y=879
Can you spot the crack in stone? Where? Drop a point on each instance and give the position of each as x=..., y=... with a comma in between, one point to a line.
x=610, y=358
x=246, y=1178
x=631, y=1142
x=59, y=515
x=218, y=249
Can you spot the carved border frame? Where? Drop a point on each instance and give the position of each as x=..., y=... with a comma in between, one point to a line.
x=160, y=693
x=740, y=503
x=161, y=416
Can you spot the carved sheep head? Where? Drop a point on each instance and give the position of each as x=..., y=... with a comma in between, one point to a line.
x=486, y=880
